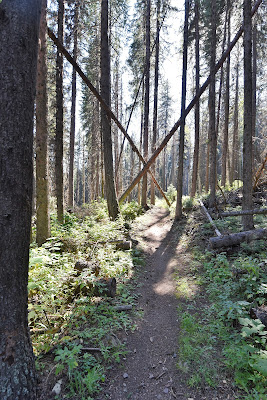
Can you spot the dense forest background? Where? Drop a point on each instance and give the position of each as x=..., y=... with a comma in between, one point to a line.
x=146, y=43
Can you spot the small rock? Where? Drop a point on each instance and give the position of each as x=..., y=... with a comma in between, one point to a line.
x=57, y=388
x=166, y=390
x=151, y=339
x=125, y=376
x=151, y=376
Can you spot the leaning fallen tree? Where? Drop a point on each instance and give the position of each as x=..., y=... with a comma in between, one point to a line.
x=235, y=239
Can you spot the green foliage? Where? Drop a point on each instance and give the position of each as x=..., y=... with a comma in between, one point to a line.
x=131, y=210
x=64, y=312
x=235, y=284
x=171, y=193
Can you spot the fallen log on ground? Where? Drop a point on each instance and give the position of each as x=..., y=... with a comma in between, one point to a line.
x=244, y=212
x=237, y=238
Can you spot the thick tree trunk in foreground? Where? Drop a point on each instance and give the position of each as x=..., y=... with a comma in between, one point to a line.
x=178, y=211
x=73, y=105
x=19, y=30
x=248, y=118
x=42, y=187
x=59, y=116
x=113, y=208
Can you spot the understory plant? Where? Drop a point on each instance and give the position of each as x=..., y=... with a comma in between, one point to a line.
x=227, y=328
x=68, y=315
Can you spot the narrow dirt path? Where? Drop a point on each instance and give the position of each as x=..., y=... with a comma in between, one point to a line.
x=149, y=371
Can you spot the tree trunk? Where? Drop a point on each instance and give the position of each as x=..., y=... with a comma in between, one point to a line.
x=42, y=186
x=248, y=119
x=155, y=110
x=19, y=30
x=73, y=105
x=196, y=144
x=254, y=91
x=59, y=116
x=178, y=212
x=212, y=117
x=113, y=208
x=146, y=106
x=226, y=104
x=233, y=171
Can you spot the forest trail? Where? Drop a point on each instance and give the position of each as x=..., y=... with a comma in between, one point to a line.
x=150, y=363
x=149, y=370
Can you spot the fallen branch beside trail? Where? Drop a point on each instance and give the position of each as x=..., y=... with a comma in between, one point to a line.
x=237, y=238
x=188, y=109
x=104, y=105
x=218, y=233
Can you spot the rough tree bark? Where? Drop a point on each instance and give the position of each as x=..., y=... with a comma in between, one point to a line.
x=247, y=203
x=73, y=104
x=59, y=116
x=112, y=202
x=178, y=211
x=19, y=30
x=42, y=185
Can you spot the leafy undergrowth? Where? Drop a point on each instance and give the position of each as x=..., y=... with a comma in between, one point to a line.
x=221, y=336
x=74, y=326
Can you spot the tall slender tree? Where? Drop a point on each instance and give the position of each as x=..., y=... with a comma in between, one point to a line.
x=156, y=84
x=196, y=144
x=73, y=102
x=178, y=212
x=226, y=101
x=248, y=118
x=42, y=186
x=212, y=114
x=112, y=202
x=146, y=105
x=19, y=30
x=59, y=116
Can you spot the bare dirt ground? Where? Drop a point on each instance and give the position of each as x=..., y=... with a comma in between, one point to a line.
x=149, y=371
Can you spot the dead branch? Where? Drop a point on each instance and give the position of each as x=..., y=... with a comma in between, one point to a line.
x=218, y=233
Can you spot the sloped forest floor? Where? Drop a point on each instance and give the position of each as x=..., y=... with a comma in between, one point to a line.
x=189, y=325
